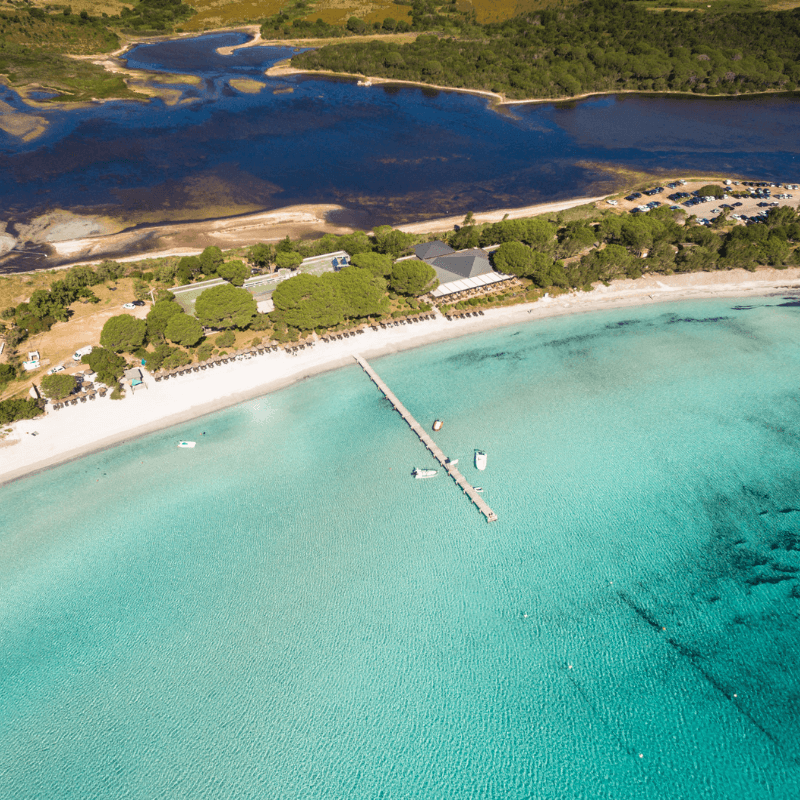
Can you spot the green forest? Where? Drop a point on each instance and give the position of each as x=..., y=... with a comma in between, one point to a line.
x=593, y=46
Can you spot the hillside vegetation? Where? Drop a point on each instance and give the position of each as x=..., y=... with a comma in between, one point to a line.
x=35, y=44
x=594, y=46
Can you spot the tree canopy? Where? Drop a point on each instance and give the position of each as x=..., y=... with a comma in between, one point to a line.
x=12, y=410
x=413, y=277
x=391, y=241
x=377, y=263
x=288, y=259
x=123, y=333
x=184, y=330
x=361, y=292
x=225, y=307
x=210, y=259
x=159, y=316
x=8, y=372
x=57, y=386
x=108, y=366
x=261, y=254
x=513, y=258
x=236, y=272
x=309, y=301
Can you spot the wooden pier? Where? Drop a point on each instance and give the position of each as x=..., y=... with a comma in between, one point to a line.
x=436, y=452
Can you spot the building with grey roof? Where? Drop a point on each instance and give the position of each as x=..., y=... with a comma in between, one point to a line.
x=458, y=270
x=430, y=250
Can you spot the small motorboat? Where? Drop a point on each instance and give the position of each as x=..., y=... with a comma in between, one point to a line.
x=186, y=444
x=480, y=459
x=423, y=473
x=451, y=462
x=437, y=425
x=479, y=488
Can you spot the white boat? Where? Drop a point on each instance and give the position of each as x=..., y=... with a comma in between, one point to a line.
x=437, y=426
x=480, y=459
x=186, y=444
x=479, y=488
x=451, y=462
x=423, y=473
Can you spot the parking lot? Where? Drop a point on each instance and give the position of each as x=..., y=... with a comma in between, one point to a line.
x=746, y=201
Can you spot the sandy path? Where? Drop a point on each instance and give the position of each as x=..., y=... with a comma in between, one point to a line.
x=75, y=431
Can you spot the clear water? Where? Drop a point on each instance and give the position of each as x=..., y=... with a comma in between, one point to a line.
x=284, y=612
x=386, y=154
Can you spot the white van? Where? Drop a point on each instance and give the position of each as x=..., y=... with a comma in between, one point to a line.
x=84, y=351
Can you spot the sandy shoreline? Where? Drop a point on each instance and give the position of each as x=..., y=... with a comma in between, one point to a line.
x=76, y=431
x=189, y=238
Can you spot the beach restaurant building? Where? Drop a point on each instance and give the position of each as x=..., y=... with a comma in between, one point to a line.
x=458, y=270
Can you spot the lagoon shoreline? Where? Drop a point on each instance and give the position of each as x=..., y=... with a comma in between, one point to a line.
x=75, y=432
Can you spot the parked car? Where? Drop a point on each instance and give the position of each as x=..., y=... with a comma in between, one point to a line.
x=53, y=370
x=84, y=351
x=611, y=202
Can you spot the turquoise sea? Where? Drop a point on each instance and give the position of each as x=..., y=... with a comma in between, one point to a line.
x=283, y=612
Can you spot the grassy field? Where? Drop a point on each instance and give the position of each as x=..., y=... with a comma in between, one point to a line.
x=94, y=7
x=54, y=33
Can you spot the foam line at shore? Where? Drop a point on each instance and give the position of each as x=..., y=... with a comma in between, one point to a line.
x=77, y=431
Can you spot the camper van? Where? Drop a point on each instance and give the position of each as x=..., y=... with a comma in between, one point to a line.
x=84, y=351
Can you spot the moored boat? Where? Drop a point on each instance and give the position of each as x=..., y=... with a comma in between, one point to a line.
x=437, y=426
x=186, y=444
x=423, y=473
x=480, y=459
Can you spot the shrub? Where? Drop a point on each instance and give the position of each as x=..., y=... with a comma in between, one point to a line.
x=226, y=339
x=13, y=410
x=57, y=386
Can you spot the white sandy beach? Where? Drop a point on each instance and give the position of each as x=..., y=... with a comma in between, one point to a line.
x=78, y=430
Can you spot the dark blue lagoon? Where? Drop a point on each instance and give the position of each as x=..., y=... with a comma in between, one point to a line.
x=215, y=146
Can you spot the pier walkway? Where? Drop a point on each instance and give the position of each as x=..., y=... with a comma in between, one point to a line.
x=454, y=473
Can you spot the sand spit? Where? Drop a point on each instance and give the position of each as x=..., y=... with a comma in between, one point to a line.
x=247, y=85
x=448, y=223
x=301, y=221
x=78, y=430
x=253, y=30
x=24, y=126
x=190, y=237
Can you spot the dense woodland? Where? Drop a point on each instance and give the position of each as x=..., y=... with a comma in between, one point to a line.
x=594, y=46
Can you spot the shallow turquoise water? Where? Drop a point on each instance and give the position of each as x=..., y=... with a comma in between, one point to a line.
x=283, y=612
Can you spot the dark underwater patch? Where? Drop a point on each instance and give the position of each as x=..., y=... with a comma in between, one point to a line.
x=786, y=540
x=696, y=320
x=624, y=323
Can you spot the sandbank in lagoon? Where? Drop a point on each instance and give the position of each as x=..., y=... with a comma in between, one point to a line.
x=76, y=431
